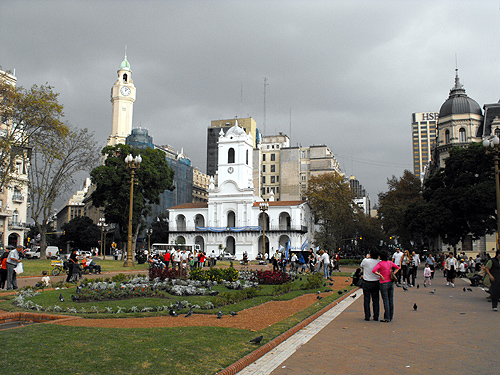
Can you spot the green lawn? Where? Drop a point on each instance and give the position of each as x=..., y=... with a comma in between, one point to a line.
x=34, y=267
x=52, y=349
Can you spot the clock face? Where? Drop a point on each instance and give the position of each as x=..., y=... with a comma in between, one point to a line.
x=230, y=169
x=125, y=91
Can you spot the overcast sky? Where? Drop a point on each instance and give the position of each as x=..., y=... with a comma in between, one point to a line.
x=350, y=73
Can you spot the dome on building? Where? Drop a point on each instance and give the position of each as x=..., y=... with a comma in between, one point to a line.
x=236, y=130
x=125, y=65
x=458, y=102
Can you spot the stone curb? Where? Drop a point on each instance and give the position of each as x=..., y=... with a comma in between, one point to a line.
x=264, y=349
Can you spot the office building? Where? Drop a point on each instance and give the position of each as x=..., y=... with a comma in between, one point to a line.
x=424, y=131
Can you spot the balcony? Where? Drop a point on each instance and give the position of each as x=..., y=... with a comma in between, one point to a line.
x=17, y=225
x=18, y=198
x=272, y=228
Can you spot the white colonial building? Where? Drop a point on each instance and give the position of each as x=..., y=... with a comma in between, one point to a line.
x=232, y=219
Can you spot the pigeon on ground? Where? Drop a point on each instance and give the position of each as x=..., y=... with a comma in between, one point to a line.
x=61, y=298
x=219, y=314
x=319, y=297
x=331, y=284
x=78, y=289
x=213, y=293
x=405, y=288
x=469, y=289
x=415, y=307
x=432, y=291
x=257, y=340
x=232, y=313
x=345, y=290
x=464, y=289
x=418, y=286
x=347, y=281
x=340, y=292
x=172, y=313
x=74, y=298
x=190, y=312
x=353, y=296
x=318, y=292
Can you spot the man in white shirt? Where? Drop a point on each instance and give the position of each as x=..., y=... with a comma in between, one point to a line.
x=371, y=286
x=415, y=262
x=396, y=258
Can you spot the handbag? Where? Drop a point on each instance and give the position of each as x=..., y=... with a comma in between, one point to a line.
x=393, y=277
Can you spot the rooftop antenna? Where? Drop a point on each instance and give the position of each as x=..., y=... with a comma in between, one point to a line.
x=265, y=85
x=241, y=100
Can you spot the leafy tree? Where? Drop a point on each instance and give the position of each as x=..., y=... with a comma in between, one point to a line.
x=55, y=159
x=462, y=195
x=81, y=232
x=112, y=185
x=27, y=115
x=332, y=203
x=393, y=204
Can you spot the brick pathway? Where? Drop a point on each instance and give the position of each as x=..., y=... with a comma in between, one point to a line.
x=452, y=332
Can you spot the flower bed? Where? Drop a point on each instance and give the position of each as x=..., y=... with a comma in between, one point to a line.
x=271, y=278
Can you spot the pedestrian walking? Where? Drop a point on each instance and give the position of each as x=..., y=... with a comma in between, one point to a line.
x=451, y=265
x=383, y=269
x=493, y=270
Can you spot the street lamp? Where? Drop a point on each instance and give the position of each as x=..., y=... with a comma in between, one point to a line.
x=103, y=226
x=264, y=206
x=491, y=144
x=149, y=232
x=132, y=164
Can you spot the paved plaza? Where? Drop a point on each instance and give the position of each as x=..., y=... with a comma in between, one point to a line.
x=452, y=331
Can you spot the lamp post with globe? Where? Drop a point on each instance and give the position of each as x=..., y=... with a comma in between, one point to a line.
x=263, y=206
x=132, y=164
x=491, y=143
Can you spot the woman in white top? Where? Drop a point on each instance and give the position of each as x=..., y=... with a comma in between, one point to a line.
x=451, y=265
x=324, y=259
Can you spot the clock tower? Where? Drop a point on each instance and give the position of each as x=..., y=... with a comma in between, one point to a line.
x=122, y=98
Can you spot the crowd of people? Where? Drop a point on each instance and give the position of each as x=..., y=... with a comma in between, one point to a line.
x=182, y=260
x=379, y=273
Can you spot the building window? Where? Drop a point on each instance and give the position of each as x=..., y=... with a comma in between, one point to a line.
x=263, y=157
x=462, y=135
x=15, y=217
x=273, y=168
x=277, y=178
x=273, y=179
x=247, y=157
x=273, y=157
x=447, y=136
x=263, y=179
x=230, y=156
x=263, y=191
x=277, y=190
x=263, y=168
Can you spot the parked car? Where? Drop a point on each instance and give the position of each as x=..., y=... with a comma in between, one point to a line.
x=33, y=253
x=226, y=256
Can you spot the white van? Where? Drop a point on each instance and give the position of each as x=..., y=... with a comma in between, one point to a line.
x=52, y=252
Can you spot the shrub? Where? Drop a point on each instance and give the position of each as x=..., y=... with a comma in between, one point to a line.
x=214, y=274
x=166, y=273
x=282, y=289
x=314, y=281
x=271, y=278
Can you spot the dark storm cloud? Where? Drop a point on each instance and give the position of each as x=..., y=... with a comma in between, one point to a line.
x=351, y=72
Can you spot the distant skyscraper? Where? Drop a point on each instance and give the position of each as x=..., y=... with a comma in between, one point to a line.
x=424, y=125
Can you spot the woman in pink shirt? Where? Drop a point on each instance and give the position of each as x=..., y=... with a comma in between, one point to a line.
x=383, y=269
